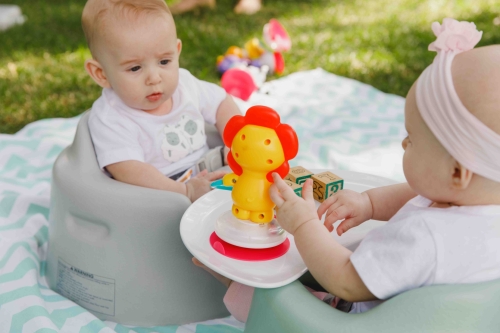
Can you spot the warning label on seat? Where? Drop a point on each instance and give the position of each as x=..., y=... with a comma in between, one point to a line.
x=93, y=292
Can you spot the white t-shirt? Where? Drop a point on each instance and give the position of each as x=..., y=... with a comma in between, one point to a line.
x=171, y=143
x=423, y=245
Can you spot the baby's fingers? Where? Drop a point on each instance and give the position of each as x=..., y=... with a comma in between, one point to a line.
x=325, y=205
x=346, y=225
x=286, y=191
x=202, y=173
x=334, y=215
x=275, y=196
x=307, y=191
x=214, y=175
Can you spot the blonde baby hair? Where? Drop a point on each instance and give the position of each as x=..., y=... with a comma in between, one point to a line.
x=98, y=13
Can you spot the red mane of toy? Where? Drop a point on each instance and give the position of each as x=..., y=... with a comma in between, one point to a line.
x=265, y=117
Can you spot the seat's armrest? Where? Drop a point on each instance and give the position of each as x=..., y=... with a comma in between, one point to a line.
x=291, y=309
x=439, y=308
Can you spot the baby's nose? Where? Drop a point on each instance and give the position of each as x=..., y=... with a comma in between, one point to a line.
x=404, y=143
x=153, y=78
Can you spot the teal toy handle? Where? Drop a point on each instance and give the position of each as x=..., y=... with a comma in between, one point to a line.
x=218, y=185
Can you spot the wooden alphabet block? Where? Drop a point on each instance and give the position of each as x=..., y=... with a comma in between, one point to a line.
x=295, y=187
x=298, y=175
x=325, y=184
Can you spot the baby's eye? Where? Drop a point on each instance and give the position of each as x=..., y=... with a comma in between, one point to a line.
x=135, y=68
x=164, y=61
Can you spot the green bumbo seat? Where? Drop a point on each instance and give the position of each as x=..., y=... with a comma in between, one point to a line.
x=115, y=248
x=431, y=309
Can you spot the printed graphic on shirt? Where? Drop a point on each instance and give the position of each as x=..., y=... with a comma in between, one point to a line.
x=194, y=131
x=175, y=145
x=182, y=138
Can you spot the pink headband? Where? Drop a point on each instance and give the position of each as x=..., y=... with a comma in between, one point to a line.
x=468, y=140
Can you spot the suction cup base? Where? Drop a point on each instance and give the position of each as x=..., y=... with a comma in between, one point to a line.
x=249, y=234
x=244, y=254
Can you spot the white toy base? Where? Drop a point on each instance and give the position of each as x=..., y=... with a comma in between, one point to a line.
x=198, y=223
x=248, y=234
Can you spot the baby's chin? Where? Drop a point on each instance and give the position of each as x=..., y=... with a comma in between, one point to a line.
x=146, y=107
x=432, y=195
x=419, y=186
x=161, y=106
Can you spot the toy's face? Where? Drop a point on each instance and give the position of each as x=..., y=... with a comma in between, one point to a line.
x=257, y=148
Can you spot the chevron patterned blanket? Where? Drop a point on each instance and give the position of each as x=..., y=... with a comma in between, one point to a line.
x=341, y=124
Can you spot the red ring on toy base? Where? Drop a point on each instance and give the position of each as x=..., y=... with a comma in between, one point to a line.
x=241, y=253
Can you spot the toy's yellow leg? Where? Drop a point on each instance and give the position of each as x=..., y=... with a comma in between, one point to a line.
x=262, y=217
x=242, y=214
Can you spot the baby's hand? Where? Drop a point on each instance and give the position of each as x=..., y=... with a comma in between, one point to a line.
x=292, y=211
x=200, y=184
x=352, y=206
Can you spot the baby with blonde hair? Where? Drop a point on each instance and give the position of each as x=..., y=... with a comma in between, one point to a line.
x=149, y=121
x=444, y=223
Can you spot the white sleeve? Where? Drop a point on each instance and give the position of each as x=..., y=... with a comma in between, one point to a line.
x=210, y=96
x=115, y=139
x=396, y=257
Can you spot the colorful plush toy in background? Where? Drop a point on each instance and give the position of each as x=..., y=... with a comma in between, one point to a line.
x=245, y=69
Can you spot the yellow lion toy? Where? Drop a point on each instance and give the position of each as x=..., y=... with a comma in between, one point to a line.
x=259, y=145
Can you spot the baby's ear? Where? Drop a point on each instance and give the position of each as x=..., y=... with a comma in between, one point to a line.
x=461, y=176
x=179, y=46
x=96, y=72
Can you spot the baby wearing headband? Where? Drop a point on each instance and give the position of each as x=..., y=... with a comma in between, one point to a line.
x=444, y=223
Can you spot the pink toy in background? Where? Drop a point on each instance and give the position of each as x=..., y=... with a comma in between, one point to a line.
x=239, y=83
x=244, y=70
x=276, y=36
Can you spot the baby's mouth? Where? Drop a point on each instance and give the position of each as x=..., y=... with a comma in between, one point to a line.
x=154, y=97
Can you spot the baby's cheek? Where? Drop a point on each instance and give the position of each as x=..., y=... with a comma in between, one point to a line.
x=408, y=167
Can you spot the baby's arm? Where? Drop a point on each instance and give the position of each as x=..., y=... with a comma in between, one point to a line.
x=387, y=200
x=226, y=110
x=327, y=260
x=379, y=204
x=145, y=175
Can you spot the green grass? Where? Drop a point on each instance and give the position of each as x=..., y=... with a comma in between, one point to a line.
x=379, y=42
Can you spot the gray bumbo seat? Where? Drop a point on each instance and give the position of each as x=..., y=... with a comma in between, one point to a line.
x=432, y=309
x=116, y=250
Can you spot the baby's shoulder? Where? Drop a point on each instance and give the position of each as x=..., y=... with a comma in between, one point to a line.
x=101, y=110
x=103, y=115
x=185, y=76
x=456, y=222
x=189, y=87
x=189, y=81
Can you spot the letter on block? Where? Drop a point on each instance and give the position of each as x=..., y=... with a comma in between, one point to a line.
x=295, y=187
x=298, y=175
x=325, y=184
